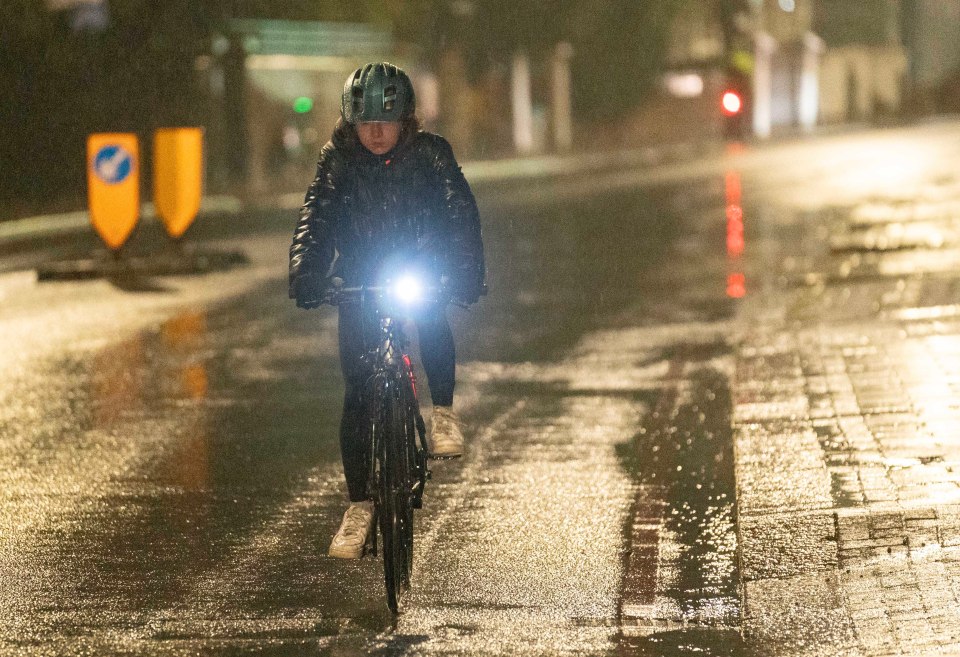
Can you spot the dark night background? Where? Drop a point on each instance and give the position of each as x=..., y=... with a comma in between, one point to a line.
x=133, y=69
x=138, y=74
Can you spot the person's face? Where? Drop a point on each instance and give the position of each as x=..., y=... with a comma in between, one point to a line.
x=379, y=137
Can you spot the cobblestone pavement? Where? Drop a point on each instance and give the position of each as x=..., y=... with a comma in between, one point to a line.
x=846, y=409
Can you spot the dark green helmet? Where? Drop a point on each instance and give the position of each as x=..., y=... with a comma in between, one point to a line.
x=377, y=92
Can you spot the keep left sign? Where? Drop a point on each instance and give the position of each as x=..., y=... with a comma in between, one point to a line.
x=113, y=186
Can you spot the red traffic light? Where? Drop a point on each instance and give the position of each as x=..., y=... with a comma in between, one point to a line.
x=732, y=104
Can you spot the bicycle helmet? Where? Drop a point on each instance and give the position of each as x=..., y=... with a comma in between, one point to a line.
x=377, y=92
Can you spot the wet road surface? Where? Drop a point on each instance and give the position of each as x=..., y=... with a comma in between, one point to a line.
x=845, y=413
x=172, y=483
x=169, y=456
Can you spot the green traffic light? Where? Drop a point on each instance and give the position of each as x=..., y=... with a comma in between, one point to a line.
x=302, y=105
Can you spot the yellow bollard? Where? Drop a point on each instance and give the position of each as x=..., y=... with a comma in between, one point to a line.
x=177, y=177
x=113, y=186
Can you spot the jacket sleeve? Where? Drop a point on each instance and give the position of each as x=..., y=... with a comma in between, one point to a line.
x=467, y=260
x=314, y=244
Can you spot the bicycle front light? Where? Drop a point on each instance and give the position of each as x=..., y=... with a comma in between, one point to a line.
x=408, y=289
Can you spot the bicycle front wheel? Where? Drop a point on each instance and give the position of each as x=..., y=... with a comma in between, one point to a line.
x=393, y=495
x=414, y=464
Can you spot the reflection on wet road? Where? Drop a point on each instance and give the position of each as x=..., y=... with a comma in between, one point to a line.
x=174, y=491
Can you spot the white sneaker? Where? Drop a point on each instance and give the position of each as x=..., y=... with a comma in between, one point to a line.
x=446, y=438
x=352, y=535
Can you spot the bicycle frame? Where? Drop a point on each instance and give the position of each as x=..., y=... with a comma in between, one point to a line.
x=391, y=366
x=397, y=451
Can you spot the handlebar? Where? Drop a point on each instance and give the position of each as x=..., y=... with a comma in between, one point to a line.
x=337, y=295
x=437, y=293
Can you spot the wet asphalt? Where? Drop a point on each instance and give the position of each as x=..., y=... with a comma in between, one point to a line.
x=172, y=488
x=169, y=458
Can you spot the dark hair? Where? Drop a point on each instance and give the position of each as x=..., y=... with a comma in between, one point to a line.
x=347, y=132
x=409, y=127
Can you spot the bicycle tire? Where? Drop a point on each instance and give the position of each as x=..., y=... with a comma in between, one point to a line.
x=411, y=467
x=403, y=422
x=390, y=494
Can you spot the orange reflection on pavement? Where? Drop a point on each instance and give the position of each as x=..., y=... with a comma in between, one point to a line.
x=185, y=329
x=736, y=280
x=195, y=381
x=185, y=334
x=149, y=375
x=736, y=285
x=735, y=241
x=733, y=188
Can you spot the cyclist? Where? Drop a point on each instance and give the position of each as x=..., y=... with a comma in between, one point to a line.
x=385, y=190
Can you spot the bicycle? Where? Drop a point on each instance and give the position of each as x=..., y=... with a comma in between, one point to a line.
x=398, y=469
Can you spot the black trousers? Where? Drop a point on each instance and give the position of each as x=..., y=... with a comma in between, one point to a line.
x=356, y=334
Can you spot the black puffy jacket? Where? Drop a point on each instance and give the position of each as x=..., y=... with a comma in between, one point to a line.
x=363, y=209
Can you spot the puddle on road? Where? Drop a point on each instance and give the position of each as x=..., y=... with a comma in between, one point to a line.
x=681, y=582
x=689, y=641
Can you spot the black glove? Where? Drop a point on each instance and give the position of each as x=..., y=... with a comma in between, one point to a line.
x=308, y=291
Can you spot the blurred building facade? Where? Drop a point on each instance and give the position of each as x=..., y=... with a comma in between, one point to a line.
x=800, y=63
x=865, y=64
x=496, y=79
x=827, y=61
x=787, y=81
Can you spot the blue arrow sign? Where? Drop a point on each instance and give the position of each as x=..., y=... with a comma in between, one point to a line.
x=112, y=164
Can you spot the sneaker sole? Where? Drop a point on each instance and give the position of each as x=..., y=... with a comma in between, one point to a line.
x=344, y=554
x=446, y=457
x=352, y=553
